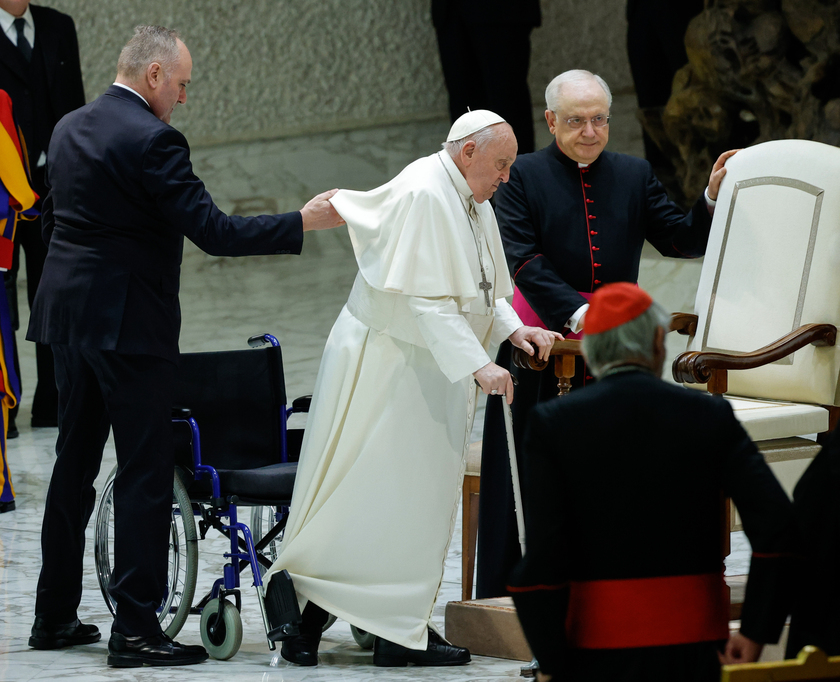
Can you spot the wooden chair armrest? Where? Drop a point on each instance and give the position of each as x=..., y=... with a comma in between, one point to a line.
x=565, y=347
x=684, y=324
x=701, y=367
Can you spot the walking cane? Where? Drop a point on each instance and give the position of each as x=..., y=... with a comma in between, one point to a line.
x=529, y=670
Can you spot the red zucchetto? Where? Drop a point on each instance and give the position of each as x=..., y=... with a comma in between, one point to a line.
x=614, y=305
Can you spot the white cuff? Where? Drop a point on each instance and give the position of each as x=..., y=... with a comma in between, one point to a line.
x=709, y=202
x=575, y=322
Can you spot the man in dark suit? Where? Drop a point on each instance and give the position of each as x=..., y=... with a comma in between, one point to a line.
x=39, y=68
x=469, y=33
x=622, y=579
x=122, y=197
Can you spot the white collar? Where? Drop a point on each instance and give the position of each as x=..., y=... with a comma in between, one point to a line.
x=7, y=20
x=458, y=179
x=130, y=89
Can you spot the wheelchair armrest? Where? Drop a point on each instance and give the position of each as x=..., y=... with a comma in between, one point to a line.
x=302, y=403
x=701, y=367
x=261, y=339
x=181, y=413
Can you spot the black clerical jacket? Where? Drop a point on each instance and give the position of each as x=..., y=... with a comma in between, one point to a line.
x=622, y=577
x=122, y=197
x=568, y=229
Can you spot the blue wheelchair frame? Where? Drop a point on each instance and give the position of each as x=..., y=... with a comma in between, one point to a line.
x=242, y=547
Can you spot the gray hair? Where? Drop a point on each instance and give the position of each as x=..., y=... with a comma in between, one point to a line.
x=632, y=340
x=552, y=92
x=481, y=138
x=149, y=44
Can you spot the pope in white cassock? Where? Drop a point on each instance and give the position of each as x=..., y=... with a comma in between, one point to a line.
x=383, y=455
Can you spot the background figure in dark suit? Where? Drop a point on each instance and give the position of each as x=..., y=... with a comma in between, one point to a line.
x=622, y=579
x=816, y=505
x=468, y=34
x=656, y=50
x=39, y=68
x=115, y=220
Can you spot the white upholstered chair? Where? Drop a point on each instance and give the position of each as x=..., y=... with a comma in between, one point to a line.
x=768, y=302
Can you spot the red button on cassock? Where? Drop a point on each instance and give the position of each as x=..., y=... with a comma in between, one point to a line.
x=597, y=265
x=591, y=217
x=592, y=232
x=597, y=281
x=595, y=248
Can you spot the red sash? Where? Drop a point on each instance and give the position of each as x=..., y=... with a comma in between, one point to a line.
x=531, y=319
x=645, y=612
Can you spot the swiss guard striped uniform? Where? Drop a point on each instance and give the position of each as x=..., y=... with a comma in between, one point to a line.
x=16, y=200
x=566, y=231
x=622, y=580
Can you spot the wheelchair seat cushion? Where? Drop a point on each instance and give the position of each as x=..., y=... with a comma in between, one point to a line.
x=270, y=485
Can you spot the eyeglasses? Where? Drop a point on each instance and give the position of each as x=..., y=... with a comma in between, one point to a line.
x=576, y=122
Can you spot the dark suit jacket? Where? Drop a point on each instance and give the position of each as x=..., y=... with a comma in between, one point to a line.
x=624, y=481
x=55, y=37
x=567, y=229
x=123, y=196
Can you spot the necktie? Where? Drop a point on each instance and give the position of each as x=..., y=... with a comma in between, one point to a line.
x=22, y=42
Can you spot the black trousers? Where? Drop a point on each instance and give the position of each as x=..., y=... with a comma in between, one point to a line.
x=45, y=396
x=99, y=390
x=498, y=538
x=480, y=76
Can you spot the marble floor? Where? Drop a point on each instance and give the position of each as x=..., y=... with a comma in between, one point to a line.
x=224, y=301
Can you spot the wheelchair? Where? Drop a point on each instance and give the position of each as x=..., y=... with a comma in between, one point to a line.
x=243, y=454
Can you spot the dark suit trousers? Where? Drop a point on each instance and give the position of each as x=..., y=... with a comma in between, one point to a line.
x=479, y=78
x=98, y=390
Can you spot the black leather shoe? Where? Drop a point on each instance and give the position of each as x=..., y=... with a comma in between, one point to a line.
x=7, y=506
x=12, y=431
x=45, y=636
x=302, y=649
x=438, y=652
x=135, y=652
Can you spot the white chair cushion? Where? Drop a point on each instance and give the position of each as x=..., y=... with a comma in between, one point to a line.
x=765, y=419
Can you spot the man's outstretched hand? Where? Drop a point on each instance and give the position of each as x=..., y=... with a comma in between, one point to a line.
x=319, y=214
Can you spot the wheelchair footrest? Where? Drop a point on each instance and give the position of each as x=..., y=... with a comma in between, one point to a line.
x=282, y=609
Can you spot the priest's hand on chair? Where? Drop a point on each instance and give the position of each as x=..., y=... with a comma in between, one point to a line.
x=528, y=337
x=319, y=214
x=718, y=171
x=740, y=649
x=495, y=380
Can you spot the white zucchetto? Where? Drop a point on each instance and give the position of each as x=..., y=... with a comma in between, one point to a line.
x=472, y=122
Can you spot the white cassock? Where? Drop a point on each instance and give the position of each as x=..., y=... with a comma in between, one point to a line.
x=378, y=484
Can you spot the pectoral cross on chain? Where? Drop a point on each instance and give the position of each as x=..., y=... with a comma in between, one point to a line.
x=485, y=286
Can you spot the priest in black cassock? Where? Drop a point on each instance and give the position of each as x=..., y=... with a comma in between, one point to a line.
x=572, y=217
x=622, y=579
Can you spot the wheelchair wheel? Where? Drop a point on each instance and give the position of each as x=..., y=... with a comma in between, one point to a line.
x=363, y=638
x=183, y=555
x=221, y=637
x=263, y=519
